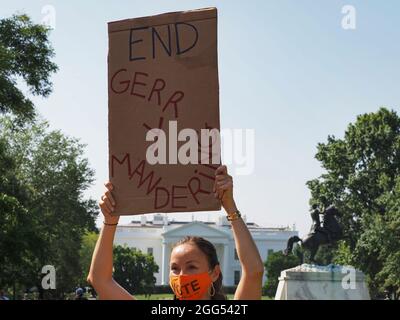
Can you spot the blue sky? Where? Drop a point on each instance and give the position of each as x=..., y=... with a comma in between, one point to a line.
x=286, y=68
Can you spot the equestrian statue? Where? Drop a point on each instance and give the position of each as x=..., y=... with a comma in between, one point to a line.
x=326, y=234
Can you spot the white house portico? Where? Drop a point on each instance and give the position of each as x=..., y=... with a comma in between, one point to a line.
x=219, y=238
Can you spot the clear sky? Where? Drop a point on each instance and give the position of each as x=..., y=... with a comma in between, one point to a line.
x=287, y=69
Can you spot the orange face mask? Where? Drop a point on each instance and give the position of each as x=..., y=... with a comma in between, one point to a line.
x=190, y=286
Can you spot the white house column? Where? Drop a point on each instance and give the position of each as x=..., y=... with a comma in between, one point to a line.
x=164, y=267
x=225, y=271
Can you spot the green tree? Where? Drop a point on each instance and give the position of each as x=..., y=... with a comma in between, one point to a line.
x=19, y=237
x=134, y=270
x=343, y=255
x=362, y=179
x=52, y=167
x=87, y=247
x=389, y=276
x=275, y=264
x=25, y=54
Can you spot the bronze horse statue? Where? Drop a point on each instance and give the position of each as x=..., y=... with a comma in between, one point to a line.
x=330, y=232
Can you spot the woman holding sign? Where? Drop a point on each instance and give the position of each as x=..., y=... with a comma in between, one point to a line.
x=195, y=272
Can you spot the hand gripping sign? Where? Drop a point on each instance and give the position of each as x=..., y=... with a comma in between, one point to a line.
x=163, y=112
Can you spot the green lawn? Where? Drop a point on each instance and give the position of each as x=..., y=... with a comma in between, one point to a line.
x=168, y=296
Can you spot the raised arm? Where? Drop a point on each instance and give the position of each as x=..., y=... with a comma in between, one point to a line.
x=250, y=284
x=101, y=268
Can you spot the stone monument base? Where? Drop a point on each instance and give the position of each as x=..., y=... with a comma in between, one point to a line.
x=313, y=282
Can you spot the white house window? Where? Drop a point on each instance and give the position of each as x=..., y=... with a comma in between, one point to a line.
x=237, y=277
x=150, y=251
x=236, y=255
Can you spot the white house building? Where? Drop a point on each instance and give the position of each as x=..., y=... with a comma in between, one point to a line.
x=157, y=237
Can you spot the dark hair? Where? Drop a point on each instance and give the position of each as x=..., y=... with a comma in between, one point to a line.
x=211, y=253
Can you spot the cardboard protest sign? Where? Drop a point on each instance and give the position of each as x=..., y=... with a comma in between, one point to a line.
x=162, y=80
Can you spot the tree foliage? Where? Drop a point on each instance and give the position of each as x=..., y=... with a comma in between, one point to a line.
x=362, y=179
x=88, y=244
x=43, y=173
x=275, y=264
x=134, y=270
x=25, y=54
x=48, y=208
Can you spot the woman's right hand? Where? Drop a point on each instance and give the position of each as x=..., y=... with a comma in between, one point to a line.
x=107, y=204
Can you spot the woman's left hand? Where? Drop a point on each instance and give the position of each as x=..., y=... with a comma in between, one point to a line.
x=223, y=189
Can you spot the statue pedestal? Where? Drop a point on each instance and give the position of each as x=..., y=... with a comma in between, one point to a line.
x=313, y=282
